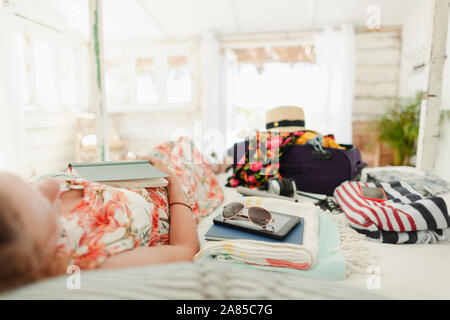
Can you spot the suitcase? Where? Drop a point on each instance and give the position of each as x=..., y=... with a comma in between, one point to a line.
x=313, y=170
x=321, y=172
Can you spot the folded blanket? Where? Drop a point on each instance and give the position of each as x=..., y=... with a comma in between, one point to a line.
x=333, y=253
x=341, y=252
x=272, y=254
x=424, y=182
x=406, y=217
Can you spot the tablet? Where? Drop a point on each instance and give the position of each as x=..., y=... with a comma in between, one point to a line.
x=282, y=225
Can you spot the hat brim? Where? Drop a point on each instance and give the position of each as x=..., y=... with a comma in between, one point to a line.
x=286, y=129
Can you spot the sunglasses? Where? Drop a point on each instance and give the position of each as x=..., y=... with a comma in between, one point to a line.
x=257, y=215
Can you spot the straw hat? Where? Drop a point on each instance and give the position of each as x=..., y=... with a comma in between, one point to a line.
x=285, y=119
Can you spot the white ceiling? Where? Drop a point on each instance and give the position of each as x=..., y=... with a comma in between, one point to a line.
x=150, y=19
x=125, y=19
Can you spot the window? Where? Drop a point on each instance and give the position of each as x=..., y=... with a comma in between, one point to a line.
x=117, y=82
x=44, y=66
x=157, y=77
x=178, y=80
x=23, y=66
x=278, y=84
x=146, y=92
x=52, y=70
x=260, y=79
x=68, y=77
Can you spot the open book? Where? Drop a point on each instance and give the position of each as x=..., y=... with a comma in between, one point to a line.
x=123, y=174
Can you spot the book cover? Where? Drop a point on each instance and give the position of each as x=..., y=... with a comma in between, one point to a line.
x=218, y=232
x=125, y=174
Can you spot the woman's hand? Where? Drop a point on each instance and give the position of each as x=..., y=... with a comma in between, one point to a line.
x=158, y=164
x=175, y=191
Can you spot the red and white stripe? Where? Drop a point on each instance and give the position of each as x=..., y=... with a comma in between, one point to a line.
x=387, y=215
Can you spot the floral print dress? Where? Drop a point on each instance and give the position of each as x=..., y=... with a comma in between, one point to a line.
x=198, y=181
x=111, y=220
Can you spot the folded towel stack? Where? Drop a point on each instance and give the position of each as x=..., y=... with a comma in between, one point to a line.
x=271, y=254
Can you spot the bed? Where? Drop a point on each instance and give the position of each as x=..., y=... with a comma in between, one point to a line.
x=418, y=271
x=398, y=272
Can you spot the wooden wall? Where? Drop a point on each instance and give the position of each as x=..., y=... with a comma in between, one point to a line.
x=51, y=141
x=377, y=72
x=378, y=56
x=145, y=130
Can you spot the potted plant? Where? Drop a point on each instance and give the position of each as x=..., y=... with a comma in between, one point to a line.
x=399, y=128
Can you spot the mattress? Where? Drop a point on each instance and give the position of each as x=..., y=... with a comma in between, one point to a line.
x=405, y=271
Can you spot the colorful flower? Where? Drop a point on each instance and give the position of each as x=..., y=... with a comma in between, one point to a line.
x=287, y=141
x=233, y=182
x=274, y=142
x=251, y=179
x=256, y=166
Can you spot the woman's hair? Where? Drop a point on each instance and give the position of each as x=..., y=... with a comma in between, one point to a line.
x=21, y=260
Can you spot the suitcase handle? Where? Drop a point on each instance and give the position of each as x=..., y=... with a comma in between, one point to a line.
x=361, y=164
x=358, y=168
x=321, y=155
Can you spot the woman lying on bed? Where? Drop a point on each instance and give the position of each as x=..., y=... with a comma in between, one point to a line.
x=51, y=224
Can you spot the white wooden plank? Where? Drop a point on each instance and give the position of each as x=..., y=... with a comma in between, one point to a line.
x=12, y=123
x=139, y=145
x=378, y=90
x=377, y=40
x=431, y=104
x=154, y=125
x=375, y=75
x=51, y=139
x=160, y=116
x=43, y=168
x=376, y=72
x=378, y=57
x=97, y=86
x=49, y=154
x=50, y=166
x=371, y=106
x=164, y=132
x=38, y=120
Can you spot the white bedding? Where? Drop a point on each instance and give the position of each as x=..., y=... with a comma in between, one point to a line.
x=405, y=271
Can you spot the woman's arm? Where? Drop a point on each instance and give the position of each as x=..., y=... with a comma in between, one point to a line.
x=183, y=239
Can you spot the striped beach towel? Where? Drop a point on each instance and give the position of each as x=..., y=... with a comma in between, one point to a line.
x=406, y=217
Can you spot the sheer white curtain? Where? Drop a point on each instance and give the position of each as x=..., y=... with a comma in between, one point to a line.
x=335, y=57
x=214, y=113
x=211, y=62
x=12, y=128
x=324, y=89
